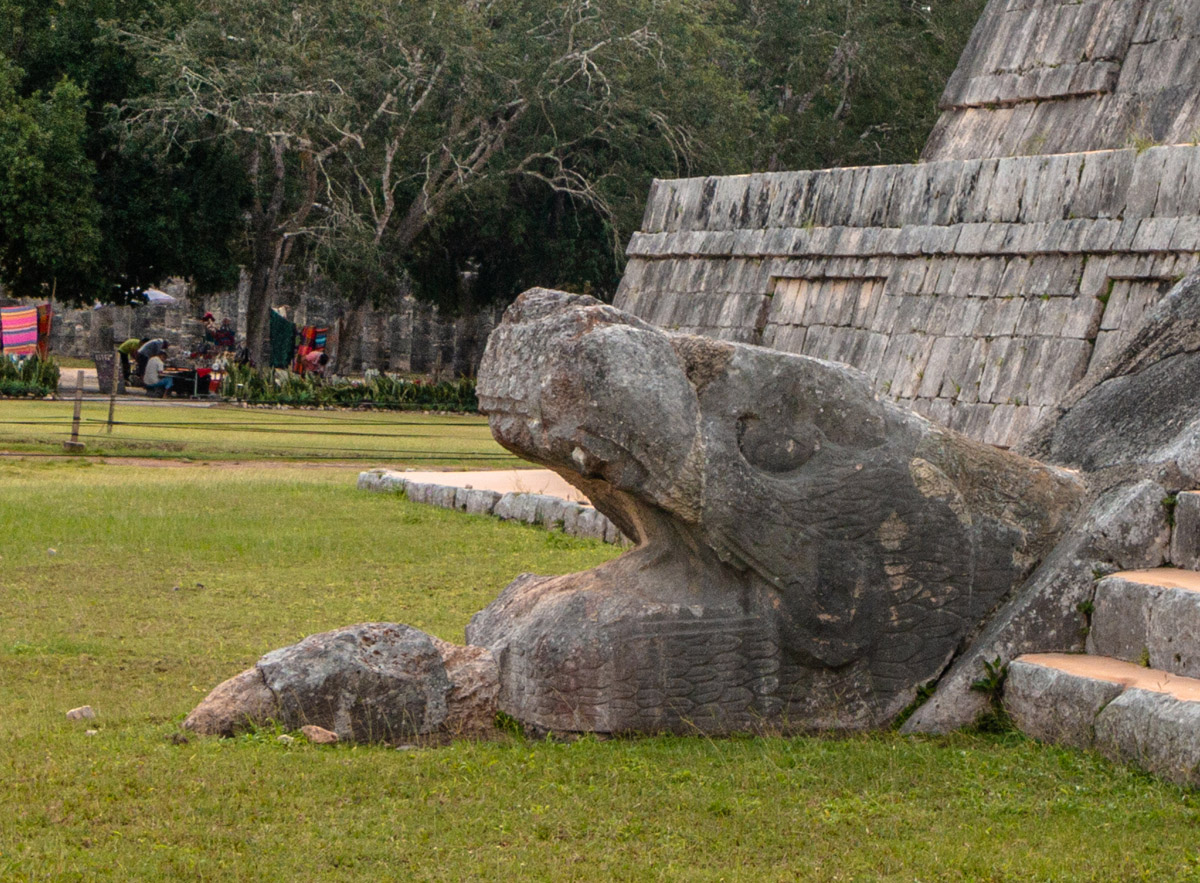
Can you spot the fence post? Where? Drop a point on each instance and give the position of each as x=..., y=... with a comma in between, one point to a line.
x=75, y=445
x=112, y=397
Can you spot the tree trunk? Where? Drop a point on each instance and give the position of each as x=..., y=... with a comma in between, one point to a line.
x=348, y=358
x=258, y=306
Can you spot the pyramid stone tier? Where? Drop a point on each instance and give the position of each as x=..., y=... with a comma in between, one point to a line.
x=975, y=292
x=1058, y=76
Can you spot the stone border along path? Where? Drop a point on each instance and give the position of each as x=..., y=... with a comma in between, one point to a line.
x=533, y=496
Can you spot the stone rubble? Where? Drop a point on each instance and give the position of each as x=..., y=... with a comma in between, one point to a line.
x=372, y=682
x=319, y=735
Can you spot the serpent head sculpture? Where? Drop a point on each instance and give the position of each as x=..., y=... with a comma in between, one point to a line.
x=806, y=556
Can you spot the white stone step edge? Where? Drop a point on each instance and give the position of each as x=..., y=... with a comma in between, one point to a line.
x=1148, y=617
x=553, y=513
x=1145, y=717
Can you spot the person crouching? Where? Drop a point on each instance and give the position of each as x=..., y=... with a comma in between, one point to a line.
x=156, y=382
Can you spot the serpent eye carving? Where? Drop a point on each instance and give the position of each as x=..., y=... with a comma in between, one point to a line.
x=766, y=447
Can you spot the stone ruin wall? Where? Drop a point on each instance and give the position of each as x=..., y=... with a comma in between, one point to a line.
x=975, y=288
x=1061, y=76
x=975, y=292
x=412, y=336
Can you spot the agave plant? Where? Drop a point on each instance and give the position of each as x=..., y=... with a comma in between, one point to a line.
x=29, y=376
x=382, y=391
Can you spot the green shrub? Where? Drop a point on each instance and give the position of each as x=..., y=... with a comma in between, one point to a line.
x=246, y=384
x=32, y=376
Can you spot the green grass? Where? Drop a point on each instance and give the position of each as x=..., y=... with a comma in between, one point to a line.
x=65, y=362
x=383, y=438
x=165, y=580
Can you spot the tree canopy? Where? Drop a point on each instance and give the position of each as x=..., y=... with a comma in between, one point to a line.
x=121, y=218
x=48, y=214
x=363, y=123
x=465, y=149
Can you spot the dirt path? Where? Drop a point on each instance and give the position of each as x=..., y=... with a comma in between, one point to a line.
x=525, y=481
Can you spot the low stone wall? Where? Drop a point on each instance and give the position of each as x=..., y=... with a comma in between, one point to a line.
x=975, y=292
x=553, y=513
x=410, y=336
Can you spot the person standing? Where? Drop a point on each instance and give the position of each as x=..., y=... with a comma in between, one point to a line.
x=225, y=338
x=209, y=345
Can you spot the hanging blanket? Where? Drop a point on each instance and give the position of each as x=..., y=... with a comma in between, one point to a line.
x=312, y=339
x=283, y=341
x=45, y=316
x=19, y=330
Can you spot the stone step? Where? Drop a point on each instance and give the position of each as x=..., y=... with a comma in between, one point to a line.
x=1185, y=535
x=1142, y=716
x=1149, y=617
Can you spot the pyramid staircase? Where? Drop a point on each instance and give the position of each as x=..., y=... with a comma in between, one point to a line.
x=1134, y=696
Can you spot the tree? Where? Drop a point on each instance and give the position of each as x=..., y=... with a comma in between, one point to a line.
x=49, y=219
x=153, y=215
x=361, y=123
x=834, y=83
x=510, y=236
x=850, y=82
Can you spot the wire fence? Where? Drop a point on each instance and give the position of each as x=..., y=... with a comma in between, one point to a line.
x=283, y=435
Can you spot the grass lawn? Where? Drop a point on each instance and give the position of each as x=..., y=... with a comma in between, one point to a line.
x=233, y=432
x=136, y=589
x=65, y=362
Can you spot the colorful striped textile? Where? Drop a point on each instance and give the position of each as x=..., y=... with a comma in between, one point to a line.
x=19, y=330
x=311, y=338
x=45, y=317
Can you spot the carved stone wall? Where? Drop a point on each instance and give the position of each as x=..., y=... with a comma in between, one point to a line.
x=1058, y=76
x=975, y=292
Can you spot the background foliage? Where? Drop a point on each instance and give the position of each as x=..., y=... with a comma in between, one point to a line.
x=462, y=150
x=118, y=218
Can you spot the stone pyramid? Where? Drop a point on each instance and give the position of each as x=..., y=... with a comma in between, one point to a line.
x=1057, y=200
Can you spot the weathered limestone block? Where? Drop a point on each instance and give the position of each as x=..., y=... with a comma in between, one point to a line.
x=518, y=507
x=552, y=512
x=807, y=556
x=1121, y=619
x=1185, y=535
x=1121, y=529
x=476, y=501
x=1063, y=75
x=373, y=682
x=420, y=492
x=381, y=480
x=442, y=496
x=1135, y=412
x=1158, y=732
x=1173, y=637
x=1054, y=705
x=592, y=524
